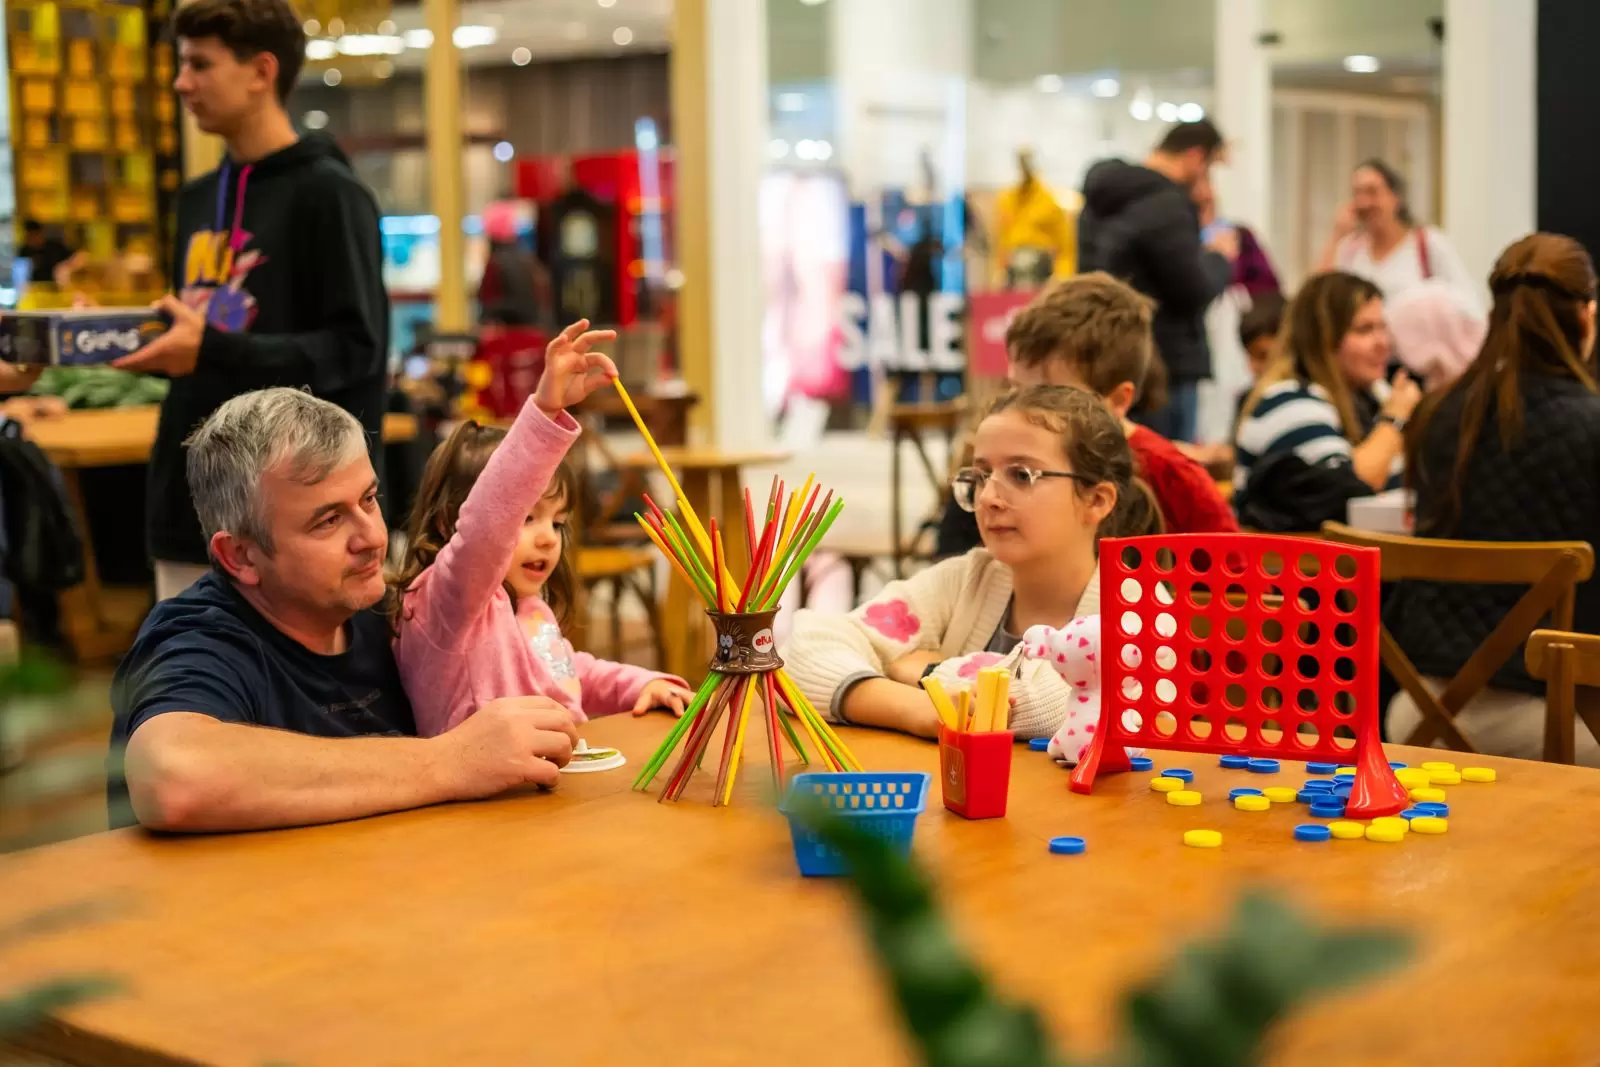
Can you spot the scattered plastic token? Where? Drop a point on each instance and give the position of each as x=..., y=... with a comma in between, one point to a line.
x=1386, y=834
x=1202, y=838
x=1321, y=768
x=1444, y=777
x=1248, y=803
x=1311, y=796
x=1234, y=763
x=1280, y=794
x=1393, y=822
x=1165, y=785
x=1317, y=785
x=1312, y=832
x=1179, y=773
x=1427, y=794
x=1347, y=831
x=1412, y=813
x=1184, y=798
x=1438, y=765
x=1477, y=774
x=1327, y=809
x=1396, y=765
x=1263, y=766
x=1142, y=763
x=1345, y=772
x=1039, y=744
x=1235, y=794
x=1414, y=777
x=1430, y=824
x=1067, y=846
x=1438, y=811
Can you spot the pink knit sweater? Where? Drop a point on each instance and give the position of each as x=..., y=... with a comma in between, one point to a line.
x=461, y=643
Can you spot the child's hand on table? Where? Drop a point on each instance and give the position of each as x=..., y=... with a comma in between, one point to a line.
x=665, y=694
x=571, y=371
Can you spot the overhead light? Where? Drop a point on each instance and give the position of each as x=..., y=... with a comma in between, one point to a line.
x=1048, y=83
x=824, y=150
x=382, y=69
x=791, y=102
x=778, y=148
x=503, y=151
x=606, y=3
x=314, y=120
x=387, y=27
x=418, y=38
x=1167, y=111
x=1361, y=64
x=320, y=49
x=369, y=44
x=813, y=3
x=1105, y=88
x=521, y=57
x=312, y=27
x=1191, y=112
x=336, y=27
x=474, y=36
x=331, y=76
x=622, y=36
x=806, y=149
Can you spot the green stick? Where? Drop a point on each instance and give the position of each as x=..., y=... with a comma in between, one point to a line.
x=682, y=543
x=800, y=558
x=695, y=579
x=664, y=750
x=775, y=571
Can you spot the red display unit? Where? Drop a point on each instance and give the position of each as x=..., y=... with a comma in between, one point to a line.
x=639, y=187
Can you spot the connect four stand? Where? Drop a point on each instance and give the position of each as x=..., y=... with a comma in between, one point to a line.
x=1248, y=645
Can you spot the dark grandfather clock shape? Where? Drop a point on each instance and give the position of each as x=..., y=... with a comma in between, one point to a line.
x=583, y=263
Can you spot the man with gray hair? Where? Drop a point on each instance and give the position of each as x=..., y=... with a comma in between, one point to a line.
x=266, y=694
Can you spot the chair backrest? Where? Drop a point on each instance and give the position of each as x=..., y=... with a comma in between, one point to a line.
x=1551, y=569
x=1566, y=663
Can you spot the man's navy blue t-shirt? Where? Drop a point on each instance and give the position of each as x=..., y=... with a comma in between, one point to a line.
x=208, y=651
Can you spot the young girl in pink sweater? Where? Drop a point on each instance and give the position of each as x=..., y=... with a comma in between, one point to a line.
x=486, y=588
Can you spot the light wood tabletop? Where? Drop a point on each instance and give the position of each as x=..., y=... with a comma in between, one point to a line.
x=114, y=436
x=593, y=925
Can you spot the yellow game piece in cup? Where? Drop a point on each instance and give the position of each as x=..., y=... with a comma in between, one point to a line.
x=1184, y=798
x=1394, y=822
x=1250, y=802
x=1387, y=834
x=1202, y=839
x=1429, y=824
x=1347, y=831
x=1279, y=794
x=1434, y=795
x=1477, y=774
x=1444, y=777
x=1166, y=785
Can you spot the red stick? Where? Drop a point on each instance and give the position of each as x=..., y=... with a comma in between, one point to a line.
x=760, y=560
x=655, y=511
x=771, y=702
x=696, y=743
x=735, y=703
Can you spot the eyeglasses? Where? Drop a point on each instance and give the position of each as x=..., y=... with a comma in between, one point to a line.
x=1015, y=480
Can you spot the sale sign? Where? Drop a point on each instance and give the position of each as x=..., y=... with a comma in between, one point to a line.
x=991, y=315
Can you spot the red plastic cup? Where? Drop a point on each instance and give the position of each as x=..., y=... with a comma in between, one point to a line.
x=975, y=772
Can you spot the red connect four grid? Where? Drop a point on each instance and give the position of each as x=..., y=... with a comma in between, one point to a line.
x=1257, y=646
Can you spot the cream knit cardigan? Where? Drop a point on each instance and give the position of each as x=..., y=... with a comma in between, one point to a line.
x=952, y=608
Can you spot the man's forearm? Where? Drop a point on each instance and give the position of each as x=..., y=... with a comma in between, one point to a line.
x=191, y=772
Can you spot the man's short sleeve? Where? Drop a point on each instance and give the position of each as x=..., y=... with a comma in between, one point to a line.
x=203, y=673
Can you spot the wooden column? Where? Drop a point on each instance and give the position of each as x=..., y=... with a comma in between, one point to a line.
x=691, y=147
x=442, y=91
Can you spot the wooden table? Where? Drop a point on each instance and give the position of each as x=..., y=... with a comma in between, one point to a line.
x=97, y=622
x=713, y=481
x=594, y=925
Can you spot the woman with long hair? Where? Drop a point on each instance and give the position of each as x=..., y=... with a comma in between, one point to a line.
x=1510, y=452
x=1321, y=426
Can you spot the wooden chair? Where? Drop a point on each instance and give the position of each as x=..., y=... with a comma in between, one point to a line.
x=1569, y=665
x=623, y=569
x=1552, y=570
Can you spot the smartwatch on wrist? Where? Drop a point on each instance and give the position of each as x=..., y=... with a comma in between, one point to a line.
x=1398, y=424
x=929, y=669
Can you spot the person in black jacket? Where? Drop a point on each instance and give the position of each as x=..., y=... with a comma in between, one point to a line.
x=1140, y=224
x=1510, y=452
x=277, y=276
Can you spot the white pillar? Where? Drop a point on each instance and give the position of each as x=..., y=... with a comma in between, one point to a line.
x=736, y=131
x=1243, y=110
x=1490, y=112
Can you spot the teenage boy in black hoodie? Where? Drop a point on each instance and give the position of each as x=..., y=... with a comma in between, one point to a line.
x=277, y=273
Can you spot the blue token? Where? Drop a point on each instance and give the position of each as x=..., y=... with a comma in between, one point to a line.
x=1264, y=766
x=1396, y=765
x=1067, y=846
x=1179, y=773
x=1235, y=794
x=1234, y=763
x=1342, y=790
x=1311, y=796
x=1141, y=763
x=1413, y=813
x=1321, y=768
x=1327, y=809
x=1317, y=785
x=1039, y=744
x=1435, y=809
x=1312, y=832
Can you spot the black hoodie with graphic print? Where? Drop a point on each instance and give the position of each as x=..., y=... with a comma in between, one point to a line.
x=285, y=259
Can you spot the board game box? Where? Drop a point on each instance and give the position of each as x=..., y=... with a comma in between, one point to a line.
x=76, y=336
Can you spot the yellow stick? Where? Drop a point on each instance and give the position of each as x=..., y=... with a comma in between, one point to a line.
x=965, y=710
x=797, y=501
x=671, y=556
x=941, y=702
x=814, y=722
x=1002, y=701
x=738, y=740
x=984, y=717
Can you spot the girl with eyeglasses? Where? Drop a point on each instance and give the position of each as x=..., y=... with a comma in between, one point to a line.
x=1051, y=474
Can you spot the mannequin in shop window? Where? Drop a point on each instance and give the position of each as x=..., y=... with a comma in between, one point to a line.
x=1034, y=238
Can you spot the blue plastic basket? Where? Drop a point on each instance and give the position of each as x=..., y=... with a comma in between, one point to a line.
x=885, y=803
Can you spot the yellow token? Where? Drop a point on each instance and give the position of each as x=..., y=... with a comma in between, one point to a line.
x=1435, y=795
x=1249, y=802
x=1428, y=824
x=1345, y=772
x=1347, y=831
x=1166, y=785
x=1184, y=798
x=1438, y=765
x=1393, y=822
x=1414, y=777
x=1387, y=834
x=1202, y=839
x=1444, y=777
x=1477, y=774
x=1279, y=794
